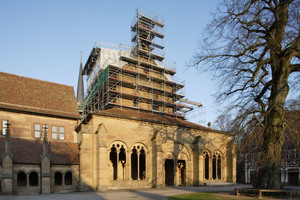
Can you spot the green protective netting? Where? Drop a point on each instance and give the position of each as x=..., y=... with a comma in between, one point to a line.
x=96, y=87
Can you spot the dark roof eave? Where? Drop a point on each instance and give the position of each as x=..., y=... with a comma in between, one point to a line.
x=40, y=112
x=155, y=121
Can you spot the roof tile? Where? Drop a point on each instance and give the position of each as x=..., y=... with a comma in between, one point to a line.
x=30, y=151
x=33, y=95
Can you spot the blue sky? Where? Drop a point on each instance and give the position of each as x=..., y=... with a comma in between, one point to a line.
x=43, y=39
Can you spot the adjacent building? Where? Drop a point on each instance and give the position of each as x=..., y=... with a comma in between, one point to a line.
x=290, y=154
x=38, y=143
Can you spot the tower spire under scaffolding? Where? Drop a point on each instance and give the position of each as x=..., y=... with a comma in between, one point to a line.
x=80, y=89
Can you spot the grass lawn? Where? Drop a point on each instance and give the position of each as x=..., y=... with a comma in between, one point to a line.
x=202, y=196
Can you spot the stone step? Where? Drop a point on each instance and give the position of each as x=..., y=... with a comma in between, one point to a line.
x=216, y=184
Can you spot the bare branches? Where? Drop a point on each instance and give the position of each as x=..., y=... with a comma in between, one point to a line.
x=295, y=67
x=251, y=48
x=244, y=41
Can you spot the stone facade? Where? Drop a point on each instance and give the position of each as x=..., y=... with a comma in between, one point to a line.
x=123, y=151
x=23, y=126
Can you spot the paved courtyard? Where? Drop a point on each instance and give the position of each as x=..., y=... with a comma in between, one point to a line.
x=140, y=194
x=143, y=194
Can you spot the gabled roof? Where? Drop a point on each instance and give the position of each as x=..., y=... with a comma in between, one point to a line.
x=152, y=117
x=37, y=96
x=30, y=151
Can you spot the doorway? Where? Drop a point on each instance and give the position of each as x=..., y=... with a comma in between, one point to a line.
x=181, y=170
x=293, y=177
x=169, y=172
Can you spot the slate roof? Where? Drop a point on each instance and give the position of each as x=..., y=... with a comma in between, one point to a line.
x=152, y=117
x=37, y=96
x=30, y=151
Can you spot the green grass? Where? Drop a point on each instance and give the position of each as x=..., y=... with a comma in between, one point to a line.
x=200, y=196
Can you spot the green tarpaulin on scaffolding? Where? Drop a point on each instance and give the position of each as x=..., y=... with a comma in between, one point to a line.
x=96, y=87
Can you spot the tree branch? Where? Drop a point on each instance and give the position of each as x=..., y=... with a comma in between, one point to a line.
x=295, y=68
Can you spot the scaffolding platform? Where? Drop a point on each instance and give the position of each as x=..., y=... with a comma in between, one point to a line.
x=147, y=64
x=137, y=77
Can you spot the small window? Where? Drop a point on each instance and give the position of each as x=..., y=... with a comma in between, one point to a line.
x=58, y=178
x=54, y=132
x=68, y=178
x=4, y=127
x=33, y=179
x=21, y=179
x=37, y=130
x=61, y=133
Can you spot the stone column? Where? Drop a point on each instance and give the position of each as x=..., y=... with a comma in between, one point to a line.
x=105, y=173
x=176, y=173
x=128, y=166
x=119, y=167
x=210, y=168
x=160, y=168
x=45, y=165
x=217, y=171
x=234, y=169
x=224, y=168
x=138, y=165
x=154, y=163
x=157, y=162
x=85, y=139
x=196, y=167
x=7, y=165
x=201, y=168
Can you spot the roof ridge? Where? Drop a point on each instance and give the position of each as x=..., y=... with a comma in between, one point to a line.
x=36, y=79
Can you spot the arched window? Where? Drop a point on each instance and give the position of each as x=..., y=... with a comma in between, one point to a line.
x=219, y=166
x=33, y=179
x=142, y=160
x=122, y=155
x=117, y=157
x=68, y=178
x=138, y=162
x=113, y=159
x=21, y=179
x=134, y=164
x=58, y=178
x=214, y=163
x=206, y=167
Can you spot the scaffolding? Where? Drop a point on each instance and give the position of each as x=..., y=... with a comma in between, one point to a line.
x=139, y=78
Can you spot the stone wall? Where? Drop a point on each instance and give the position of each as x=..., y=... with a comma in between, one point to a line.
x=22, y=125
x=105, y=140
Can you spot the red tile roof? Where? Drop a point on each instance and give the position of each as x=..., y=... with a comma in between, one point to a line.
x=33, y=95
x=152, y=117
x=30, y=151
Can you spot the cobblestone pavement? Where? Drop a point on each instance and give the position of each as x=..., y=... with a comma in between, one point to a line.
x=140, y=194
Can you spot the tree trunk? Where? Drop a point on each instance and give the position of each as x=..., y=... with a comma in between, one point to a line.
x=273, y=136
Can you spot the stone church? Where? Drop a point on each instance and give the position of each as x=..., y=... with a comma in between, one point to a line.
x=126, y=130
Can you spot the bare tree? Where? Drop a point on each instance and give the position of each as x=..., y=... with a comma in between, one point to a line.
x=224, y=123
x=253, y=48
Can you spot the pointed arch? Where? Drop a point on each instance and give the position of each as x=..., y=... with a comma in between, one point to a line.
x=117, y=159
x=217, y=164
x=206, y=157
x=138, y=161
